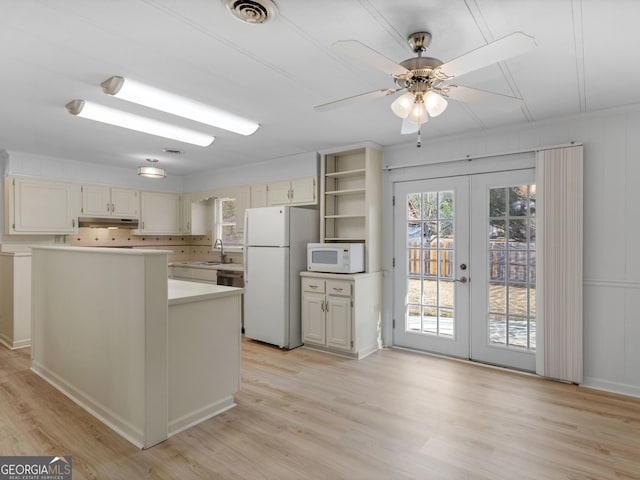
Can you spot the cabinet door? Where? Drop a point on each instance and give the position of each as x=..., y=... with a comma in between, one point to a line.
x=339, y=322
x=160, y=213
x=259, y=195
x=96, y=201
x=45, y=207
x=278, y=193
x=313, y=320
x=303, y=190
x=125, y=203
x=195, y=216
x=182, y=273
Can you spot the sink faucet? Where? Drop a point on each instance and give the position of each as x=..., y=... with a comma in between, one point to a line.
x=218, y=243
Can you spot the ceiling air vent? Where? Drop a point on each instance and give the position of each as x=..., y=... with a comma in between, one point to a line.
x=252, y=11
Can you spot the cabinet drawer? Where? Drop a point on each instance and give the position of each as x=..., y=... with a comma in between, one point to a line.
x=181, y=272
x=202, y=274
x=339, y=287
x=313, y=285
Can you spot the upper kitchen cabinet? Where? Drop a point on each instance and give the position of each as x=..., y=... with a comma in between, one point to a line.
x=259, y=197
x=299, y=191
x=105, y=201
x=196, y=214
x=350, y=203
x=41, y=206
x=159, y=213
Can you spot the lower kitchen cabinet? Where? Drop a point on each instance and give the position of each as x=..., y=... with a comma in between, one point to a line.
x=341, y=313
x=193, y=274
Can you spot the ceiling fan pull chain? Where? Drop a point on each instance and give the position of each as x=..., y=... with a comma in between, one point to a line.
x=419, y=144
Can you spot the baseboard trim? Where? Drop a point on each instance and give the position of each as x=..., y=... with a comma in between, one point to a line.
x=13, y=345
x=611, y=387
x=198, y=416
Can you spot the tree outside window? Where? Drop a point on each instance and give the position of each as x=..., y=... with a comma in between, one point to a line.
x=226, y=222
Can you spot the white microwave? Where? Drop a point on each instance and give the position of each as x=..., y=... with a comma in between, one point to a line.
x=335, y=257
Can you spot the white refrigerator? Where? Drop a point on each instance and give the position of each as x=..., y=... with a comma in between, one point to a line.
x=275, y=253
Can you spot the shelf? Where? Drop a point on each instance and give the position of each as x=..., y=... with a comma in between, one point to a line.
x=345, y=216
x=350, y=200
x=351, y=191
x=347, y=173
x=344, y=239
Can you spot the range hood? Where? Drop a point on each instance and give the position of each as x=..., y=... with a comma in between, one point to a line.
x=106, y=222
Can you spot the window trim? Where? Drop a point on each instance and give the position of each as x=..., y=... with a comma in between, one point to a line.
x=218, y=225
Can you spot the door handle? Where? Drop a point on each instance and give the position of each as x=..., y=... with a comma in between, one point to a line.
x=463, y=280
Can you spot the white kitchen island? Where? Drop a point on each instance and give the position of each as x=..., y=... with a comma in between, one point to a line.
x=146, y=355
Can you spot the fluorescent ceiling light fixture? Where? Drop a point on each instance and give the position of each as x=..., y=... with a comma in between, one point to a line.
x=150, y=171
x=157, y=99
x=103, y=114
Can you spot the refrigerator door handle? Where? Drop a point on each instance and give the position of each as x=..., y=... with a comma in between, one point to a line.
x=245, y=258
x=246, y=265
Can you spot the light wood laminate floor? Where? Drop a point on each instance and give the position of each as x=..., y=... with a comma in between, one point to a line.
x=303, y=414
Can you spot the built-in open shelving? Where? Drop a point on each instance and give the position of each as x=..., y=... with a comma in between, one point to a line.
x=350, y=200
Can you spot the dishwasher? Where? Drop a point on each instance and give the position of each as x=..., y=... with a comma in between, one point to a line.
x=231, y=278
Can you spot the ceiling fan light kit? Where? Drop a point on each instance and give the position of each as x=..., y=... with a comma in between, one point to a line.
x=424, y=78
x=436, y=104
x=418, y=113
x=402, y=105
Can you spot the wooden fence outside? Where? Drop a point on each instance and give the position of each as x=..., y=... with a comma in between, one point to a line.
x=511, y=265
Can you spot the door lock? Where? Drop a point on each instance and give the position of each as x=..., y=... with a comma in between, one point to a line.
x=463, y=266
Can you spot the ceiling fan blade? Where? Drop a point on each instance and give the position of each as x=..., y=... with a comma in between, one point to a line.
x=409, y=127
x=360, y=52
x=510, y=46
x=481, y=97
x=383, y=92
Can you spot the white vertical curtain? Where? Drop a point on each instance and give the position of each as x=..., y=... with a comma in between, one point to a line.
x=559, y=183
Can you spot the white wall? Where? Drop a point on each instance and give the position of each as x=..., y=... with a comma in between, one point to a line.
x=611, y=227
x=30, y=165
x=284, y=168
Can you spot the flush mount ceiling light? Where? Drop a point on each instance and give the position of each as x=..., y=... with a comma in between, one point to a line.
x=151, y=171
x=157, y=99
x=100, y=113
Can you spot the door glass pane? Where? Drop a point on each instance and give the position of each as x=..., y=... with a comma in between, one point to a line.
x=511, y=268
x=430, y=252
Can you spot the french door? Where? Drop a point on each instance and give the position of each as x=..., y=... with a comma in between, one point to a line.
x=465, y=267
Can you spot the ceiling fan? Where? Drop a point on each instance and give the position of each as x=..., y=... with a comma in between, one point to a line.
x=425, y=79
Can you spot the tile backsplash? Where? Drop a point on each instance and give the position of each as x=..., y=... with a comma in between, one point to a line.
x=184, y=247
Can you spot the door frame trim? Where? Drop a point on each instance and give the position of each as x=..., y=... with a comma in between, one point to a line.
x=497, y=163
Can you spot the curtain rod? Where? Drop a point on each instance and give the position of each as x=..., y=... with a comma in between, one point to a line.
x=468, y=158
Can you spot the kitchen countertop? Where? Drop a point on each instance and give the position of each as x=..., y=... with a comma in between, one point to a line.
x=233, y=267
x=181, y=291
